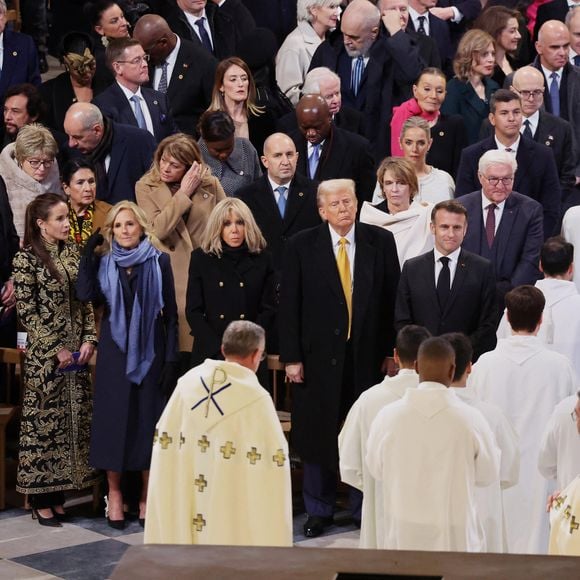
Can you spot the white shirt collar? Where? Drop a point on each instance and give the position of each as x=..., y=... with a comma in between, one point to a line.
x=172, y=56
x=453, y=257
x=274, y=185
x=485, y=202
x=513, y=147
x=534, y=120
x=548, y=73
x=128, y=93
x=336, y=237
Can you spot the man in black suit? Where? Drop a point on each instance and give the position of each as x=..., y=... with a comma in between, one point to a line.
x=553, y=48
x=180, y=69
x=326, y=152
x=121, y=154
x=337, y=298
x=537, y=174
x=127, y=101
x=573, y=23
x=544, y=128
x=503, y=225
x=322, y=81
x=423, y=22
x=283, y=202
x=449, y=289
x=204, y=24
x=376, y=70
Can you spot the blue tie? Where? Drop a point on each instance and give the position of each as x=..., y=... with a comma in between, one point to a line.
x=139, y=112
x=555, y=94
x=577, y=60
x=313, y=160
x=357, y=73
x=203, y=34
x=282, y=199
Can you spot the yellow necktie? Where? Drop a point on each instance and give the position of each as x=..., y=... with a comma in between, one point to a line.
x=343, y=264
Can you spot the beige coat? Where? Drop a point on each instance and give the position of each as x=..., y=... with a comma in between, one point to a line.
x=178, y=238
x=293, y=59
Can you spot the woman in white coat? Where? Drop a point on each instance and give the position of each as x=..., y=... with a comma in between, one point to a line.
x=315, y=19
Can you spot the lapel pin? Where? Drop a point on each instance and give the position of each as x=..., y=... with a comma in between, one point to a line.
x=441, y=133
x=548, y=143
x=185, y=65
x=241, y=173
x=15, y=53
x=550, y=137
x=301, y=194
x=155, y=102
x=205, y=196
x=180, y=77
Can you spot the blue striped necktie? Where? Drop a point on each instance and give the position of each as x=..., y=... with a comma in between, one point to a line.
x=357, y=73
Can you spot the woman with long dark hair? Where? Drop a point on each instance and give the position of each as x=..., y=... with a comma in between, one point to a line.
x=56, y=407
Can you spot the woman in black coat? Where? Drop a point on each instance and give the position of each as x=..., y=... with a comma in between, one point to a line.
x=230, y=278
x=138, y=348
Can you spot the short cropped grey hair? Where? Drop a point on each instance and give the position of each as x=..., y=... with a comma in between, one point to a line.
x=3, y=8
x=302, y=8
x=243, y=338
x=495, y=157
x=570, y=14
x=334, y=186
x=312, y=80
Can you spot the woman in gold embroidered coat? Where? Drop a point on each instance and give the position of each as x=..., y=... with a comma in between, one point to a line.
x=56, y=411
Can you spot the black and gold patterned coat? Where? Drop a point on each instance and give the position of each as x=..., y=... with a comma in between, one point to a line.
x=56, y=411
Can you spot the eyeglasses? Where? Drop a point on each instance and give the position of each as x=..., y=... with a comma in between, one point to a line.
x=36, y=163
x=534, y=94
x=495, y=180
x=137, y=60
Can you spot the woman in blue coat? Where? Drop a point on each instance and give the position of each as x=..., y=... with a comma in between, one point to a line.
x=138, y=352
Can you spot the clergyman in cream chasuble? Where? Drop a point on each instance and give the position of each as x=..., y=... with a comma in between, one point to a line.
x=220, y=472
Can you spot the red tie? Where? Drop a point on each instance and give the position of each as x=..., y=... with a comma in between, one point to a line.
x=490, y=224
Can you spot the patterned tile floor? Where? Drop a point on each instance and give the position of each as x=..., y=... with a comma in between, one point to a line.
x=87, y=548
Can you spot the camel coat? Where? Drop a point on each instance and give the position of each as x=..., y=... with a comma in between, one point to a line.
x=178, y=237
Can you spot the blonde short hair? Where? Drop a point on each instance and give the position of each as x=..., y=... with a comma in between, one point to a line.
x=211, y=240
x=34, y=139
x=183, y=148
x=334, y=186
x=112, y=216
x=402, y=170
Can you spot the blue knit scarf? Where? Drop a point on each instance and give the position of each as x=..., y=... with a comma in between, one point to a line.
x=139, y=342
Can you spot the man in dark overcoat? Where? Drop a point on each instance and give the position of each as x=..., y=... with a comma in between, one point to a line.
x=336, y=329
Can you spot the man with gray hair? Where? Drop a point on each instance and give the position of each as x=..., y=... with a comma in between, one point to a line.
x=503, y=226
x=376, y=68
x=220, y=471
x=536, y=175
x=121, y=154
x=20, y=57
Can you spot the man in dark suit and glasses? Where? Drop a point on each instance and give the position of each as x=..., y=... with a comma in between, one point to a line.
x=180, y=69
x=338, y=290
x=449, y=289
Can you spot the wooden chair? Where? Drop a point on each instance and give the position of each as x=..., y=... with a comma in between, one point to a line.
x=275, y=366
x=13, y=14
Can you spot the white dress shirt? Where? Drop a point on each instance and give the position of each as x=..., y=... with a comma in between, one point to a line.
x=453, y=259
x=547, y=74
x=146, y=114
x=485, y=203
x=513, y=147
x=170, y=60
x=534, y=120
x=191, y=19
x=415, y=18
x=274, y=185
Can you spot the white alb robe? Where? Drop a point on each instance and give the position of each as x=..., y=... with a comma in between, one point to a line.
x=526, y=381
x=560, y=449
x=428, y=451
x=565, y=521
x=560, y=329
x=489, y=499
x=225, y=478
x=411, y=228
x=571, y=232
x=352, y=442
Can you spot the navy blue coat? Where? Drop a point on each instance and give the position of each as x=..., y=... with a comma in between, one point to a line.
x=536, y=176
x=20, y=61
x=515, y=253
x=114, y=104
x=125, y=414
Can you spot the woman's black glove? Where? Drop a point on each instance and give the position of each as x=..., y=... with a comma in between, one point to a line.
x=169, y=377
x=93, y=243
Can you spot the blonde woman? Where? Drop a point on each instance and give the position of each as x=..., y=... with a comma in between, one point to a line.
x=137, y=359
x=178, y=195
x=230, y=278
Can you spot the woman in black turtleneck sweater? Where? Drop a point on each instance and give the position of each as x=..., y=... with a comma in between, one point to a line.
x=230, y=278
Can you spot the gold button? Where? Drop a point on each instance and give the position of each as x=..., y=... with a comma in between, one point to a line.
x=242, y=316
x=221, y=284
x=222, y=316
x=241, y=284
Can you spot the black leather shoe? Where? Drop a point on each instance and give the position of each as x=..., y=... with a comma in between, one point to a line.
x=315, y=525
x=50, y=522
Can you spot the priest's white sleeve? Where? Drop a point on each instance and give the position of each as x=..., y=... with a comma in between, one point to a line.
x=487, y=458
x=508, y=442
x=350, y=449
x=548, y=456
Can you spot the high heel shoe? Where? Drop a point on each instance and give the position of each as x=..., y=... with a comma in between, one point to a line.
x=115, y=524
x=50, y=522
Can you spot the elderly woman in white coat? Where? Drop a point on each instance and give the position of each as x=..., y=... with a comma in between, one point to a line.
x=29, y=168
x=315, y=19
